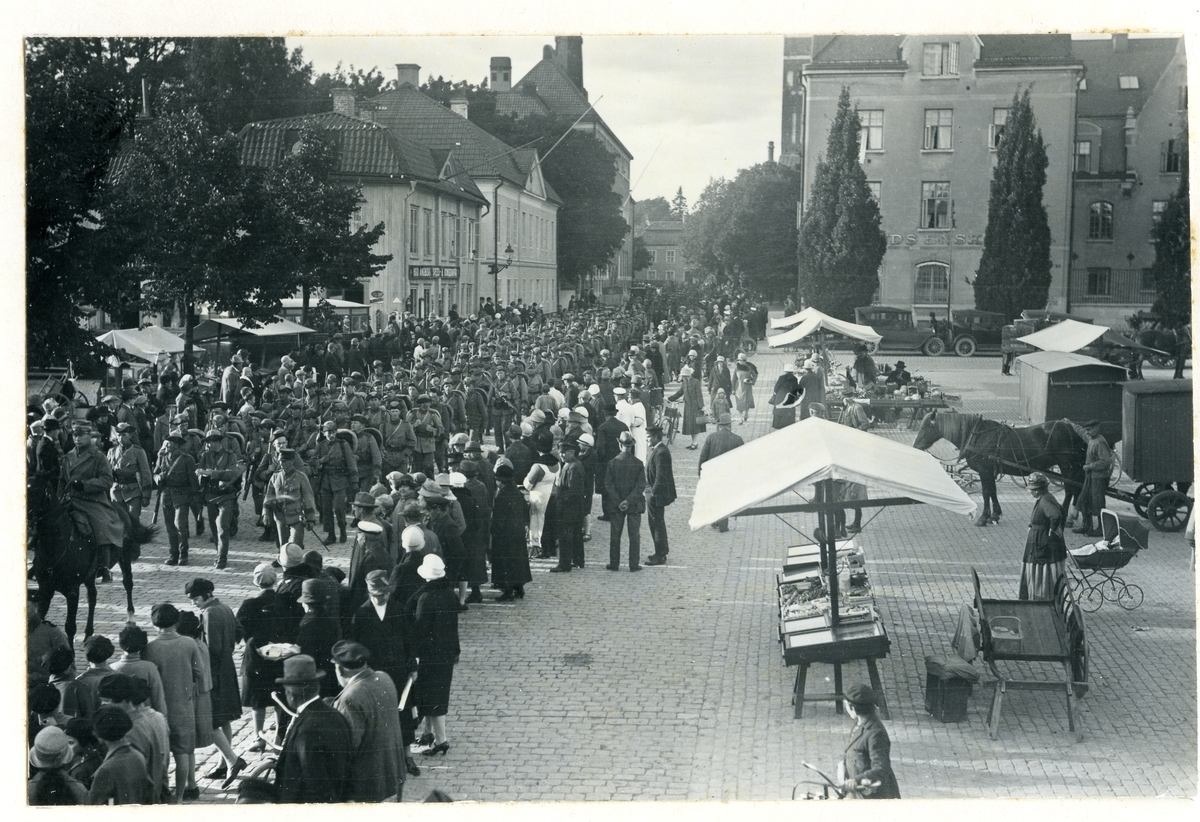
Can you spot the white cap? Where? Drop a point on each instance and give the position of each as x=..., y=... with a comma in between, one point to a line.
x=594, y=390
x=458, y=479
x=582, y=411
x=564, y=412
x=587, y=439
x=412, y=537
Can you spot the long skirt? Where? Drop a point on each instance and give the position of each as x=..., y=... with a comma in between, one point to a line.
x=1040, y=579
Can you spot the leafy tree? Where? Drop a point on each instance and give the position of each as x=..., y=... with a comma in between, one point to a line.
x=758, y=239
x=841, y=243
x=1172, y=267
x=364, y=84
x=679, y=207
x=641, y=255
x=1014, y=270
x=652, y=210
x=704, y=231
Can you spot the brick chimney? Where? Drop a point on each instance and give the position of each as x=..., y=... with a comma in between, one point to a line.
x=770, y=151
x=1120, y=43
x=409, y=73
x=568, y=51
x=460, y=106
x=343, y=101
x=501, y=72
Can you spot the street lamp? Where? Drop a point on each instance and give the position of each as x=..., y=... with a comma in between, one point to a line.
x=496, y=268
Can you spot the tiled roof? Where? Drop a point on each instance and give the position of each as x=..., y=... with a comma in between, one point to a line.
x=1145, y=59
x=406, y=110
x=1001, y=50
x=548, y=83
x=525, y=158
x=856, y=49
x=364, y=148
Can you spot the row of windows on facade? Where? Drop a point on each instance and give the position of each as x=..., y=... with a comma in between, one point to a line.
x=668, y=252
x=459, y=236
x=939, y=136
x=436, y=299
x=937, y=209
x=932, y=285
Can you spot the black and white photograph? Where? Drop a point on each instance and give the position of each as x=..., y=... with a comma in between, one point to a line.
x=729, y=405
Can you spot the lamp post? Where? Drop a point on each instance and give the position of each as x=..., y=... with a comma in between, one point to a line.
x=496, y=268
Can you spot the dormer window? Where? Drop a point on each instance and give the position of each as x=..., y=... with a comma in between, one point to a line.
x=1128, y=81
x=940, y=60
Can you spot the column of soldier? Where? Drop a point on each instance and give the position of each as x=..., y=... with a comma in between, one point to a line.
x=406, y=452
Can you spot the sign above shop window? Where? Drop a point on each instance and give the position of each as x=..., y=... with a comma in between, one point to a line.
x=433, y=272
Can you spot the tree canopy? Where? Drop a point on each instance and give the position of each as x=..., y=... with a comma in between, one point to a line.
x=1014, y=270
x=652, y=210
x=1172, y=267
x=679, y=205
x=841, y=243
x=641, y=255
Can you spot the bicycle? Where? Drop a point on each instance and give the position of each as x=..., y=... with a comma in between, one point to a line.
x=670, y=421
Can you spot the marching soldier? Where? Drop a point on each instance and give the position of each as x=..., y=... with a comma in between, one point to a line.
x=336, y=473
x=367, y=453
x=220, y=474
x=131, y=472
x=398, y=440
x=289, y=500
x=176, y=477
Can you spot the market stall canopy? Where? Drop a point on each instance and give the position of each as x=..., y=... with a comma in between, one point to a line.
x=816, y=321
x=298, y=302
x=1071, y=335
x=812, y=450
x=799, y=317
x=228, y=326
x=144, y=343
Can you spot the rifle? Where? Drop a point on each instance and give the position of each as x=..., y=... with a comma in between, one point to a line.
x=157, y=506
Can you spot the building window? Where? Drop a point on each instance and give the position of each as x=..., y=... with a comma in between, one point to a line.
x=472, y=239
x=876, y=189
x=1128, y=81
x=414, y=229
x=870, y=133
x=938, y=126
x=1100, y=221
x=653, y=274
x=1183, y=97
x=670, y=274
x=935, y=205
x=1099, y=282
x=1157, y=209
x=1083, y=157
x=933, y=284
x=670, y=255
x=429, y=229
x=1171, y=157
x=999, y=120
x=653, y=255
x=940, y=59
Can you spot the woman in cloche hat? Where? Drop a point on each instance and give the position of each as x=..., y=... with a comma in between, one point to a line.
x=433, y=614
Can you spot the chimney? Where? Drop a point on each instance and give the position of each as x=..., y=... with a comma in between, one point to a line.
x=770, y=151
x=145, y=116
x=569, y=53
x=408, y=73
x=547, y=52
x=459, y=106
x=1120, y=43
x=501, y=74
x=343, y=101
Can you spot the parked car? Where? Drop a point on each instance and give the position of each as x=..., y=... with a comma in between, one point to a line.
x=974, y=331
x=896, y=327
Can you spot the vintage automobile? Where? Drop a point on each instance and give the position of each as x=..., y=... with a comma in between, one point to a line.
x=974, y=331
x=899, y=333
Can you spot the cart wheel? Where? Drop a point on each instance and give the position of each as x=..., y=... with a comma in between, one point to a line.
x=1159, y=361
x=1077, y=643
x=1144, y=493
x=1130, y=597
x=1090, y=599
x=1169, y=510
x=964, y=346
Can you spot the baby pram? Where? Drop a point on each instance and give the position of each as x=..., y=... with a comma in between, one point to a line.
x=1093, y=568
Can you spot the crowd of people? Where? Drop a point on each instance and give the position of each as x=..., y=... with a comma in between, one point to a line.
x=445, y=454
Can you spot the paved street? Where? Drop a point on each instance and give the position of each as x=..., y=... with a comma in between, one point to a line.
x=669, y=684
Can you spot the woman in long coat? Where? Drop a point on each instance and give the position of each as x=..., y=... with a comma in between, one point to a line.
x=261, y=626
x=510, y=559
x=693, y=404
x=718, y=377
x=785, y=397
x=433, y=614
x=454, y=553
x=1045, y=550
x=745, y=375
x=474, y=568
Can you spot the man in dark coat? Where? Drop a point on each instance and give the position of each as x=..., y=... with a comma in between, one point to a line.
x=660, y=492
x=716, y=444
x=868, y=754
x=569, y=488
x=785, y=397
x=624, y=487
x=520, y=450
x=607, y=448
x=368, y=701
x=314, y=765
x=510, y=556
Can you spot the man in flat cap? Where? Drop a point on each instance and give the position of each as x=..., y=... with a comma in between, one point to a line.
x=660, y=492
x=314, y=765
x=289, y=501
x=368, y=701
x=179, y=485
x=716, y=444
x=624, y=494
x=367, y=453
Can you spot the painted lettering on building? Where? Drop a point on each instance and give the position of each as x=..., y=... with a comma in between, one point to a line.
x=433, y=272
x=901, y=240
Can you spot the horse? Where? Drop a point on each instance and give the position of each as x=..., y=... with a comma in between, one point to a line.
x=993, y=449
x=65, y=557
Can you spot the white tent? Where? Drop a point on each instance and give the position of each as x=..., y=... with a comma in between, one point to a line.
x=1072, y=335
x=816, y=321
x=225, y=327
x=812, y=450
x=144, y=343
x=799, y=317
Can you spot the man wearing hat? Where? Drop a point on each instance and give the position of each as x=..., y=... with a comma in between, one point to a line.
x=785, y=397
x=288, y=501
x=716, y=444
x=314, y=764
x=428, y=427
x=1098, y=465
x=868, y=754
x=220, y=474
x=624, y=496
x=337, y=474
x=87, y=478
x=898, y=376
x=399, y=440
x=122, y=779
x=179, y=485
x=367, y=455
x=379, y=626
x=568, y=511
x=51, y=785
x=104, y=418
x=660, y=492
x=368, y=702
x=131, y=475
x=372, y=549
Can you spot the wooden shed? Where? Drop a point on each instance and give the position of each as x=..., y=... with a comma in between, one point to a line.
x=1057, y=385
x=1157, y=430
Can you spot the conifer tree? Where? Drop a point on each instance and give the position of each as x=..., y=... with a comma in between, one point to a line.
x=1172, y=267
x=1014, y=270
x=841, y=243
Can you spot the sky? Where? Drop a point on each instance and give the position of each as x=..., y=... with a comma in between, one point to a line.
x=687, y=108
